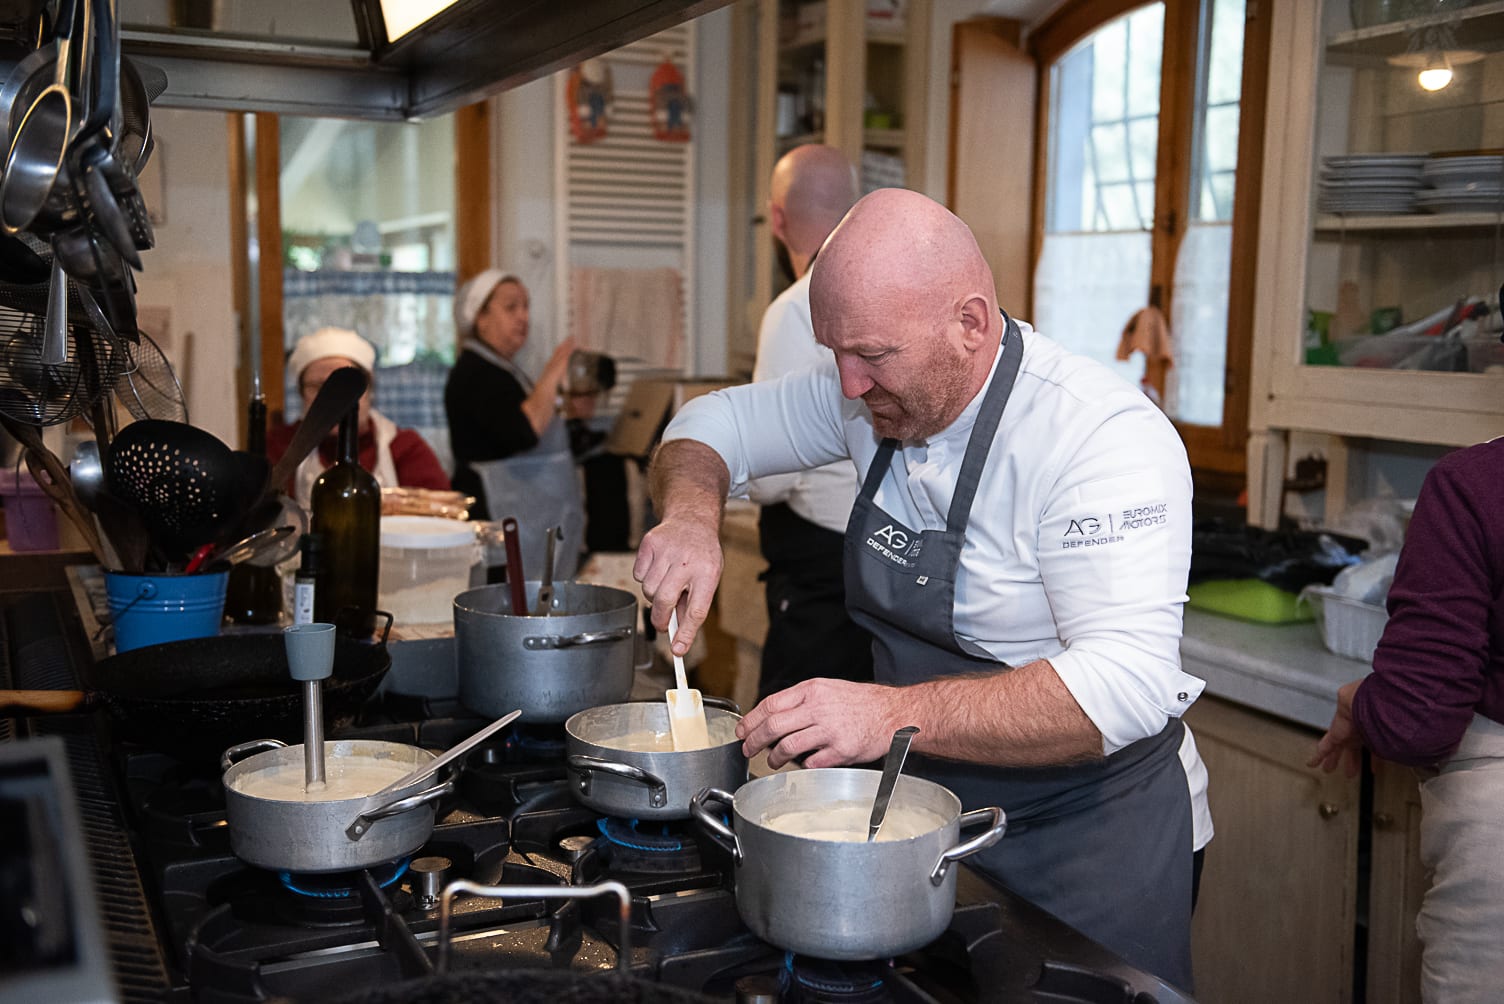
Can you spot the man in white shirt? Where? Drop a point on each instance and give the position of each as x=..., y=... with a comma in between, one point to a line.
x=1019, y=550
x=804, y=514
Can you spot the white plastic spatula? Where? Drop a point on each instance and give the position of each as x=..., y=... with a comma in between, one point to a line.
x=686, y=710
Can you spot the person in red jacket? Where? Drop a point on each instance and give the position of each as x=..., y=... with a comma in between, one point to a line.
x=395, y=456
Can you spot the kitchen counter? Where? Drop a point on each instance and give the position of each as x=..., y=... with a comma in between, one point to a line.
x=1282, y=669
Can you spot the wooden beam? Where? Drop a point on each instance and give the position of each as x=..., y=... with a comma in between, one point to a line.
x=269, y=270
x=240, y=266
x=472, y=190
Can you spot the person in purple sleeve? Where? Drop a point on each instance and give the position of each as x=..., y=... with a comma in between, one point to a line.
x=1435, y=702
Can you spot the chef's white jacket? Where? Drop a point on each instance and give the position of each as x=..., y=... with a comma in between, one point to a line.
x=1079, y=542
x=786, y=344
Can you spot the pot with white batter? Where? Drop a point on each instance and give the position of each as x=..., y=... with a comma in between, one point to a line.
x=623, y=763
x=278, y=822
x=808, y=881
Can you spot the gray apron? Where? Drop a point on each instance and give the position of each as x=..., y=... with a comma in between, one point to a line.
x=540, y=487
x=1106, y=845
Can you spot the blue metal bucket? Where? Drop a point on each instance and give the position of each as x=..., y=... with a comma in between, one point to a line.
x=152, y=609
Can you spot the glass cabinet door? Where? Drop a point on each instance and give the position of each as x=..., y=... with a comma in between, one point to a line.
x=1407, y=188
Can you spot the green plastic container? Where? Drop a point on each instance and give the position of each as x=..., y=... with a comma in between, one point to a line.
x=1250, y=600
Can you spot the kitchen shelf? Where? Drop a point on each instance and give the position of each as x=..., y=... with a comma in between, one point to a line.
x=1480, y=28
x=883, y=139
x=1330, y=223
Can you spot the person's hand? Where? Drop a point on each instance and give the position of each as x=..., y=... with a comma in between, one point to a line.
x=556, y=370
x=679, y=559
x=1342, y=743
x=828, y=722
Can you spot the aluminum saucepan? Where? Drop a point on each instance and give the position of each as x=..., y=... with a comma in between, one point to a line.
x=284, y=834
x=624, y=764
x=844, y=898
x=577, y=657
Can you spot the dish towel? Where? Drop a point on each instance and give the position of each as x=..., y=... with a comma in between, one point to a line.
x=629, y=313
x=1148, y=332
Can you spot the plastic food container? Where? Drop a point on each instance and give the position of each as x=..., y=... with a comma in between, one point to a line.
x=1349, y=627
x=425, y=564
x=30, y=520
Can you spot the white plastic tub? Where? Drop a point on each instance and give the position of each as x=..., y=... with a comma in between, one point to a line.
x=1349, y=627
x=425, y=564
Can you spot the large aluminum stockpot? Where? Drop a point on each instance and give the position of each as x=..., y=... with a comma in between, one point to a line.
x=314, y=836
x=648, y=783
x=577, y=657
x=840, y=899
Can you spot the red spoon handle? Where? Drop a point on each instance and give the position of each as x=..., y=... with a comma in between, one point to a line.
x=515, y=577
x=199, y=557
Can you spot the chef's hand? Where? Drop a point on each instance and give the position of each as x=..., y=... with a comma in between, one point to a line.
x=834, y=722
x=1342, y=743
x=679, y=565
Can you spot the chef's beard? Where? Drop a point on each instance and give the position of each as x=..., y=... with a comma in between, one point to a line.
x=919, y=412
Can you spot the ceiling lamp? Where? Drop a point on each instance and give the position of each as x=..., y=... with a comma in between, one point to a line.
x=402, y=16
x=1434, y=69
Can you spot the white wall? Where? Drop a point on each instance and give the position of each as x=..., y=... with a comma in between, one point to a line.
x=523, y=124
x=188, y=272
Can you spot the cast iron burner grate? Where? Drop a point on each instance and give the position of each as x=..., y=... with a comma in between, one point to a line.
x=634, y=845
x=807, y=980
x=340, y=885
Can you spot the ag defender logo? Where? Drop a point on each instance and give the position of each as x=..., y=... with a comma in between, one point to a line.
x=897, y=544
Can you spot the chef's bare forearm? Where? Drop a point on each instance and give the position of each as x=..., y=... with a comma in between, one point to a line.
x=1021, y=717
x=688, y=480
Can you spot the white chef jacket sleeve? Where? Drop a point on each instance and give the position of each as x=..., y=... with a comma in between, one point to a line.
x=1114, y=555
x=785, y=344
x=785, y=425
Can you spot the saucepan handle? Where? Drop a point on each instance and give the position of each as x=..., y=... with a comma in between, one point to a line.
x=584, y=765
x=239, y=752
x=551, y=641
x=714, y=828
x=363, y=822
x=980, y=842
x=724, y=703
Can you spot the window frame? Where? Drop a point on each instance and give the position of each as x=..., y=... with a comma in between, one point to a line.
x=1218, y=454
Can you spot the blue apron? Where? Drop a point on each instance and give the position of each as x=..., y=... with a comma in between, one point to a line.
x=1105, y=845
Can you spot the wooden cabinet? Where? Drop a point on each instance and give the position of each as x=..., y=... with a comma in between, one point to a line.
x=1279, y=916
x=827, y=72
x=1382, y=203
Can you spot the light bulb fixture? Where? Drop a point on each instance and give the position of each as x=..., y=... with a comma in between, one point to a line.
x=1434, y=68
x=402, y=16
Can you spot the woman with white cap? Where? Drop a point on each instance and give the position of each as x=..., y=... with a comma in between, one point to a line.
x=495, y=410
x=395, y=456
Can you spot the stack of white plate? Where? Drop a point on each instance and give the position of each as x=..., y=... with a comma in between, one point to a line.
x=1370, y=183
x=1466, y=184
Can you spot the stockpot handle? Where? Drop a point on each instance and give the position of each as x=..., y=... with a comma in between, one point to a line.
x=715, y=829
x=363, y=822
x=980, y=842
x=614, y=888
x=584, y=765
x=536, y=643
x=240, y=751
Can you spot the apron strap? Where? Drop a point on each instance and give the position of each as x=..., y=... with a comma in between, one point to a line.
x=975, y=460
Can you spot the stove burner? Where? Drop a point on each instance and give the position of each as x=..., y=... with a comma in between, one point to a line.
x=629, y=833
x=528, y=743
x=432, y=873
x=339, y=885
x=807, y=980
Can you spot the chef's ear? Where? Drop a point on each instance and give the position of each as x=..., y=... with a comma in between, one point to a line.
x=976, y=321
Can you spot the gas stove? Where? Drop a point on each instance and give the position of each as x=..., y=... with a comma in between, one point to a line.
x=187, y=920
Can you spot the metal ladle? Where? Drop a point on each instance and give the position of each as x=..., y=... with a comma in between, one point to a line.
x=898, y=751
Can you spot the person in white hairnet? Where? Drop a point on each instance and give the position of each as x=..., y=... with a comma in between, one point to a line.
x=395, y=456
x=497, y=412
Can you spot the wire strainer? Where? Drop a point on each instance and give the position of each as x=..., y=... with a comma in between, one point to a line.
x=41, y=394
x=148, y=386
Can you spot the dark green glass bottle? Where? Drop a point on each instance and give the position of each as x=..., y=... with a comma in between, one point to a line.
x=253, y=594
x=346, y=503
